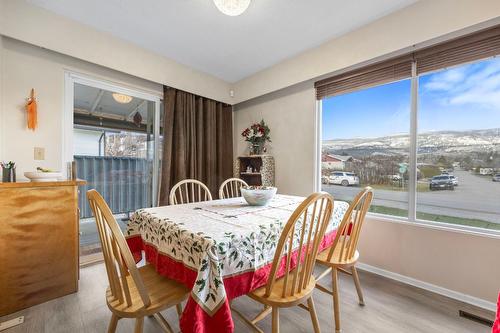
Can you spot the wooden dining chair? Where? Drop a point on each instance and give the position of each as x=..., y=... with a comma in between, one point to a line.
x=343, y=254
x=231, y=188
x=133, y=292
x=189, y=190
x=295, y=283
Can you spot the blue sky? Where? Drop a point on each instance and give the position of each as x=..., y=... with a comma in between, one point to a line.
x=461, y=98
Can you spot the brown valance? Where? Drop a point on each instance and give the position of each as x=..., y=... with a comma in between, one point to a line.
x=480, y=45
x=476, y=46
x=380, y=73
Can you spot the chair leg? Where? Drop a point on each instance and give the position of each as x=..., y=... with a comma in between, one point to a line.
x=355, y=276
x=163, y=323
x=276, y=319
x=139, y=324
x=314, y=317
x=113, y=323
x=336, y=305
x=178, y=307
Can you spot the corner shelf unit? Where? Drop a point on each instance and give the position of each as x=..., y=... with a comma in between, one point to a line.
x=262, y=166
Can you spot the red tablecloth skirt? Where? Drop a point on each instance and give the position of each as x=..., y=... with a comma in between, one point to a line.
x=194, y=318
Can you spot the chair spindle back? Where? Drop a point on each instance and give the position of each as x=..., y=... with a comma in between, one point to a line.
x=117, y=256
x=188, y=191
x=301, y=238
x=350, y=228
x=231, y=188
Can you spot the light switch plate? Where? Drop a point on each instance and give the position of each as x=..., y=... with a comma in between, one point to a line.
x=39, y=153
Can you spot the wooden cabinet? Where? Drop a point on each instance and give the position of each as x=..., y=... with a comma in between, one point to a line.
x=255, y=170
x=38, y=242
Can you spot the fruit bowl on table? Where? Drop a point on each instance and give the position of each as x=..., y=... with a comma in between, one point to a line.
x=40, y=176
x=258, y=195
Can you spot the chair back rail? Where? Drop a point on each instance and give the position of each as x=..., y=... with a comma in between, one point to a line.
x=231, y=188
x=302, y=234
x=118, y=259
x=349, y=229
x=188, y=191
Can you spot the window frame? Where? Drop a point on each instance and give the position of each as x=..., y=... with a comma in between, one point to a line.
x=411, y=219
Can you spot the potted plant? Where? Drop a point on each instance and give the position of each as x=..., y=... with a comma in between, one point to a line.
x=257, y=135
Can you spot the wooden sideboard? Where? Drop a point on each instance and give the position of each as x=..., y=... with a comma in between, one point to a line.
x=38, y=242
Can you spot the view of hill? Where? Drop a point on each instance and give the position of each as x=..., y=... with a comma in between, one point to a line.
x=439, y=142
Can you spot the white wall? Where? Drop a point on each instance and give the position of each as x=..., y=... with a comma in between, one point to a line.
x=422, y=23
x=26, y=66
x=291, y=119
x=40, y=27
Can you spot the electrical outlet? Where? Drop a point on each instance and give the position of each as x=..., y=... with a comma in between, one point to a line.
x=39, y=153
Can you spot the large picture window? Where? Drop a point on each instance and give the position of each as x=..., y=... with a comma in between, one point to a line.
x=366, y=143
x=459, y=145
x=367, y=136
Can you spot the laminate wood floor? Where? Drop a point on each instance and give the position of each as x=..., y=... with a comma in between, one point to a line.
x=391, y=307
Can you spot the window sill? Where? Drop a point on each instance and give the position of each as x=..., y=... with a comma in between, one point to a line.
x=437, y=225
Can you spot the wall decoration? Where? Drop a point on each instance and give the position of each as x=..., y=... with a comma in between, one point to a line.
x=31, y=110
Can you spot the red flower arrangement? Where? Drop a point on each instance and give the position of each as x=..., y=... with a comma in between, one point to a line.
x=257, y=134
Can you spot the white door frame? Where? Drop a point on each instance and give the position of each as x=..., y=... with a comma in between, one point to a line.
x=70, y=78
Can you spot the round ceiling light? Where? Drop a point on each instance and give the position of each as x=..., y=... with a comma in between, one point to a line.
x=232, y=7
x=121, y=98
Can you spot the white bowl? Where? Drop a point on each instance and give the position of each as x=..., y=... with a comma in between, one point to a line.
x=43, y=176
x=256, y=196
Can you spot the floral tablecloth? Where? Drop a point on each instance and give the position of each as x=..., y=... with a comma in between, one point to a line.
x=219, y=249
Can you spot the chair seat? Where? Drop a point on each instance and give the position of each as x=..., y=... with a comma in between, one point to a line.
x=335, y=260
x=163, y=294
x=276, y=299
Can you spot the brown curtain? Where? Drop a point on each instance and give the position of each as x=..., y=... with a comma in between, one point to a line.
x=197, y=141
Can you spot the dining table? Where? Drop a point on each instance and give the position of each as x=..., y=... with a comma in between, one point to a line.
x=219, y=249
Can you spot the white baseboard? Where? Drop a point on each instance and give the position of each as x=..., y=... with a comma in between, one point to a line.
x=481, y=303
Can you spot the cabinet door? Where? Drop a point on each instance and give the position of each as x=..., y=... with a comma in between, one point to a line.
x=39, y=244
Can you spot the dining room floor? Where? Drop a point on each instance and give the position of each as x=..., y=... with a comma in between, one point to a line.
x=390, y=307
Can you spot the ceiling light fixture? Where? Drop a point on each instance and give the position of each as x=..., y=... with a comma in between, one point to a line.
x=232, y=7
x=121, y=98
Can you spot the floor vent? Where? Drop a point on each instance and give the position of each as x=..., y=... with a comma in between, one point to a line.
x=475, y=318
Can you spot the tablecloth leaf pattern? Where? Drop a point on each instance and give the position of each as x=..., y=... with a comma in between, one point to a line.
x=218, y=239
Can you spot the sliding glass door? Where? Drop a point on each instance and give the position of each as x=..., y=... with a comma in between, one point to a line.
x=115, y=141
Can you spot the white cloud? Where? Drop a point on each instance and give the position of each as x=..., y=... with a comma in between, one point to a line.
x=446, y=80
x=477, y=84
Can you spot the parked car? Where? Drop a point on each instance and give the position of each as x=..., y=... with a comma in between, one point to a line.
x=395, y=178
x=496, y=177
x=344, y=178
x=454, y=180
x=442, y=182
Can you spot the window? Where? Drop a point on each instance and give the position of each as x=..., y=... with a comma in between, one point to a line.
x=366, y=136
x=459, y=145
x=422, y=129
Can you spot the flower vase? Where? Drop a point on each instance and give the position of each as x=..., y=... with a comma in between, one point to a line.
x=256, y=149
